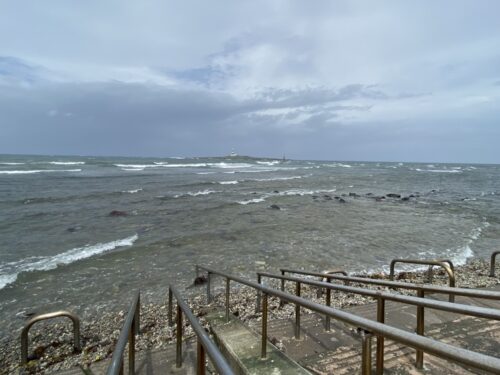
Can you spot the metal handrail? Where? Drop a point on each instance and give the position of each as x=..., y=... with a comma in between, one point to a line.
x=427, y=288
x=492, y=263
x=205, y=344
x=446, y=264
x=381, y=297
x=56, y=314
x=418, y=342
x=128, y=332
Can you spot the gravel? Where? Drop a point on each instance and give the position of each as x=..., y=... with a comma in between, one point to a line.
x=51, y=347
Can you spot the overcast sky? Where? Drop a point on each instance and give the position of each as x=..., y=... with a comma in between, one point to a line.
x=338, y=80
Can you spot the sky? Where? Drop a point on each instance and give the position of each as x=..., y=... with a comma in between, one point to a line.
x=334, y=80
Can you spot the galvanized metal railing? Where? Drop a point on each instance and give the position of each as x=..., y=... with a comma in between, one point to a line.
x=204, y=344
x=56, y=314
x=446, y=264
x=131, y=327
x=492, y=263
x=381, y=297
x=371, y=327
x=427, y=288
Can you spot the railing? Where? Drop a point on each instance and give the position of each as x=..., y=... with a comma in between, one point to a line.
x=128, y=332
x=381, y=297
x=204, y=344
x=492, y=263
x=56, y=314
x=446, y=264
x=418, y=342
x=427, y=288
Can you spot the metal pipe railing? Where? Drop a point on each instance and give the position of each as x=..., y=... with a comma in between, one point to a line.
x=204, y=344
x=128, y=332
x=56, y=314
x=418, y=342
x=427, y=288
x=492, y=263
x=446, y=264
x=381, y=297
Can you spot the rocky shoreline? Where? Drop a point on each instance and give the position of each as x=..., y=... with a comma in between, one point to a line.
x=51, y=347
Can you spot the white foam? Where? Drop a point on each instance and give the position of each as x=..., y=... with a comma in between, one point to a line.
x=132, y=169
x=277, y=178
x=274, y=162
x=439, y=170
x=256, y=200
x=40, y=171
x=132, y=191
x=66, y=162
x=12, y=163
x=52, y=262
x=195, y=194
x=228, y=182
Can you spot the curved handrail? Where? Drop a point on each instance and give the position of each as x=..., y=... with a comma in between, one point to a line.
x=427, y=288
x=422, y=343
x=128, y=332
x=492, y=263
x=56, y=314
x=204, y=341
x=446, y=264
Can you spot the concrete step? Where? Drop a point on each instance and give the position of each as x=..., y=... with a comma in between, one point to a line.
x=242, y=348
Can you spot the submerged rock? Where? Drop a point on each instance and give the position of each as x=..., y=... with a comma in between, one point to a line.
x=274, y=207
x=393, y=195
x=116, y=213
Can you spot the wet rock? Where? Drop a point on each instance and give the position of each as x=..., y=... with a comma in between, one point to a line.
x=341, y=200
x=369, y=194
x=200, y=280
x=276, y=192
x=393, y=195
x=405, y=198
x=274, y=207
x=353, y=195
x=72, y=229
x=327, y=197
x=380, y=199
x=117, y=213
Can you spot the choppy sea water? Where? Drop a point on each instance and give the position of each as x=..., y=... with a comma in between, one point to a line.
x=61, y=248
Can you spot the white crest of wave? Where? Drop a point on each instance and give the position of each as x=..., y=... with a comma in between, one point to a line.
x=268, y=162
x=228, y=182
x=439, y=170
x=40, y=171
x=132, y=169
x=67, y=162
x=277, y=178
x=70, y=256
x=132, y=191
x=195, y=194
x=256, y=200
x=12, y=163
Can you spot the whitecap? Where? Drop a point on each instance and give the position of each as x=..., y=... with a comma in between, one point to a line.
x=132, y=191
x=439, y=170
x=274, y=162
x=66, y=162
x=198, y=193
x=40, y=171
x=52, y=262
x=277, y=178
x=12, y=163
x=250, y=201
x=228, y=182
x=132, y=169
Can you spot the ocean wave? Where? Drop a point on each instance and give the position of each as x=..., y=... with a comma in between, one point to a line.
x=66, y=162
x=10, y=271
x=12, y=163
x=439, y=170
x=40, y=171
x=334, y=165
x=255, y=200
x=195, y=194
x=132, y=191
x=132, y=169
x=274, y=162
x=276, y=178
x=228, y=182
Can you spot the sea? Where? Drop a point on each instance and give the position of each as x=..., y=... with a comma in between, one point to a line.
x=83, y=233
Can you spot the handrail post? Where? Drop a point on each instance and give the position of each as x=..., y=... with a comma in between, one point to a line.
x=328, y=303
x=366, y=353
x=257, y=303
x=492, y=263
x=170, y=308
x=209, y=296
x=380, y=338
x=420, y=329
x=263, y=350
x=297, y=312
x=137, y=315
x=178, y=353
x=200, y=359
x=282, y=303
x=131, y=346
x=227, y=299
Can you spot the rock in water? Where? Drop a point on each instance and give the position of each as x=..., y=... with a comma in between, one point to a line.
x=116, y=213
x=200, y=280
x=275, y=207
x=392, y=195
